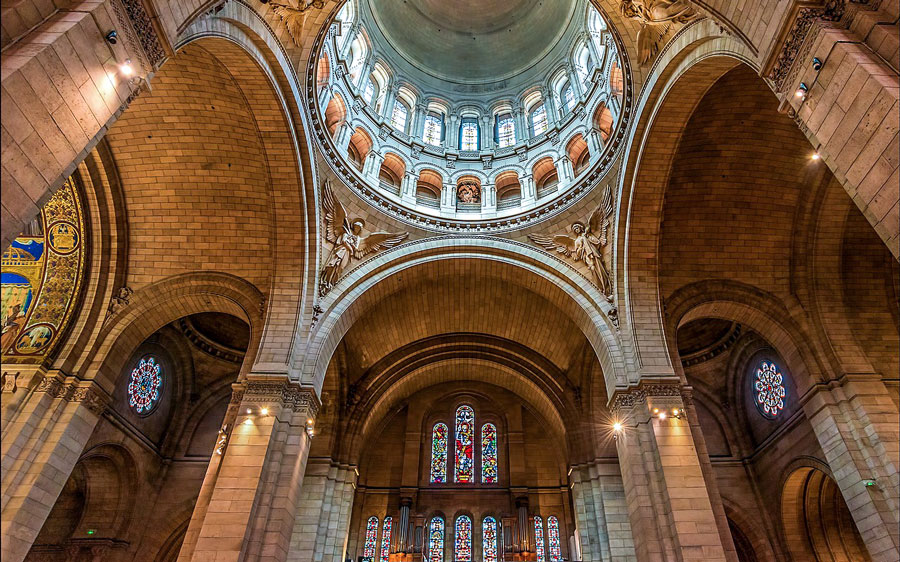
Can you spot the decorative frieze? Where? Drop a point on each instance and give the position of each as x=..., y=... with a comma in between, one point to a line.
x=804, y=23
x=74, y=390
x=628, y=398
x=143, y=27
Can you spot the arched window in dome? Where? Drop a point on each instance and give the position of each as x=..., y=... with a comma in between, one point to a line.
x=369, y=91
x=465, y=445
x=399, y=115
x=596, y=27
x=489, y=540
x=463, y=539
x=505, y=130
x=359, y=53
x=434, y=129
x=768, y=389
x=489, y=454
x=439, y=453
x=371, y=537
x=436, y=540
x=553, y=546
x=345, y=17
x=539, y=538
x=538, y=118
x=469, y=134
x=145, y=385
x=386, y=529
x=568, y=97
x=583, y=63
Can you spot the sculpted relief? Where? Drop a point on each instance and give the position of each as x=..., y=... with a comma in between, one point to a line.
x=587, y=245
x=349, y=241
x=655, y=17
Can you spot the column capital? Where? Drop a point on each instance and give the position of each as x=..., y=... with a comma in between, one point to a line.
x=627, y=398
x=269, y=390
x=73, y=389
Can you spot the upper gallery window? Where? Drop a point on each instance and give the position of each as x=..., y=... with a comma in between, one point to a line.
x=145, y=385
x=369, y=91
x=538, y=120
x=468, y=134
x=465, y=445
x=569, y=97
x=399, y=115
x=506, y=130
x=439, y=453
x=464, y=450
x=434, y=129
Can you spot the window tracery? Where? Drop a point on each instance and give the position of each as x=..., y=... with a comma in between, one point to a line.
x=439, y=453
x=436, y=540
x=371, y=537
x=463, y=539
x=144, y=387
x=434, y=129
x=488, y=453
x=769, y=389
x=469, y=135
x=539, y=538
x=465, y=437
x=386, y=538
x=489, y=540
x=399, y=115
x=506, y=130
x=539, y=120
x=553, y=539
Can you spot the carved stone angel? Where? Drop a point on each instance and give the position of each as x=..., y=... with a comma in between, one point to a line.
x=588, y=242
x=294, y=18
x=348, y=239
x=655, y=17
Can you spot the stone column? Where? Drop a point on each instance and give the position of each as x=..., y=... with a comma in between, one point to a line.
x=373, y=165
x=855, y=421
x=408, y=187
x=342, y=137
x=488, y=198
x=448, y=198
x=323, y=516
x=389, y=103
x=575, y=82
x=451, y=138
x=564, y=171
x=42, y=441
x=254, y=490
x=417, y=128
x=668, y=503
x=601, y=513
x=487, y=132
x=521, y=121
x=595, y=143
x=550, y=107
x=526, y=183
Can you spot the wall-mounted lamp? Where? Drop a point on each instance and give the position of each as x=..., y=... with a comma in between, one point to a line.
x=662, y=414
x=112, y=37
x=617, y=429
x=126, y=69
x=817, y=64
x=802, y=90
x=310, y=428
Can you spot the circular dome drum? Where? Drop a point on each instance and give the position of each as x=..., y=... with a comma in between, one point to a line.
x=410, y=103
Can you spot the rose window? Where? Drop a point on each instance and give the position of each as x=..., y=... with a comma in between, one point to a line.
x=144, y=388
x=770, y=392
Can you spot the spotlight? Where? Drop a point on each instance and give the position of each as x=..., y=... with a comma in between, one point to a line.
x=617, y=427
x=264, y=412
x=249, y=411
x=677, y=414
x=112, y=37
x=817, y=64
x=815, y=156
x=802, y=90
x=126, y=68
x=661, y=415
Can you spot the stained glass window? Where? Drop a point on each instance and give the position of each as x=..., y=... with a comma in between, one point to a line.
x=439, y=453
x=386, y=539
x=468, y=135
x=506, y=130
x=433, y=130
x=489, y=540
x=539, y=538
x=553, y=539
x=436, y=540
x=399, y=115
x=465, y=445
x=144, y=388
x=371, y=537
x=463, y=548
x=569, y=97
x=488, y=454
x=539, y=120
x=770, y=392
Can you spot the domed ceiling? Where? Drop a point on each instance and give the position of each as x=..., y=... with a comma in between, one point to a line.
x=470, y=41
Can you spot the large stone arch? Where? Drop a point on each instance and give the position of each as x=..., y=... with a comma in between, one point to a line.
x=571, y=292
x=166, y=301
x=685, y=69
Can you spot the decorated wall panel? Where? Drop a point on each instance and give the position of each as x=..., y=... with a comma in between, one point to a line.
x=42, y=272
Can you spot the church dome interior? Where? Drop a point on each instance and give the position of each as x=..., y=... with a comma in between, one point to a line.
x=432, y=281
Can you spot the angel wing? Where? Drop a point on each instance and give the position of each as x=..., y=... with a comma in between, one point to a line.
x=648, y=38
x=600, y=220
x=335, y=216
x=379, y=241
x=563, y=244
x=293, y=20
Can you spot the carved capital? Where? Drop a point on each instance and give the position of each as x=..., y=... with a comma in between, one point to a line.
x=627, y=399
x=289, y=394
x=71, y=389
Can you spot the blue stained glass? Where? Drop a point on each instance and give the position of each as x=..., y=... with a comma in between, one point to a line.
x=553, y=539
x=146, y=380
x=539, y=538
x=436, y=540
x=489, y=454
x=371, y=537
x=463, y=539
x=439, y=453
x=489, y=540
x=465, y=445
x=386, y=539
